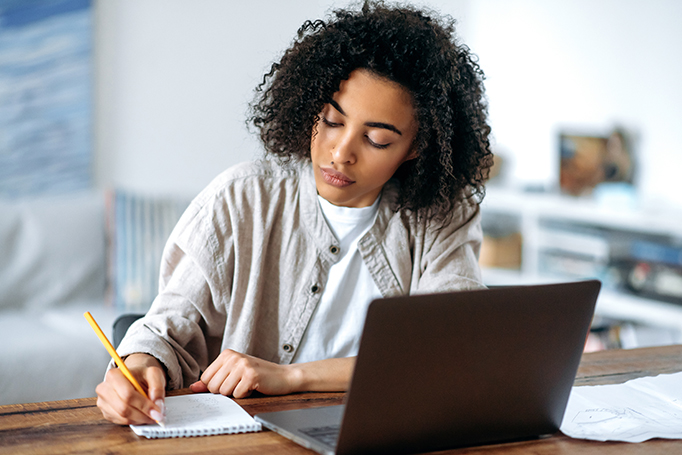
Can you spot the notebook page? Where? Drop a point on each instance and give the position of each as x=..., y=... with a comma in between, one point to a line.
x=200, y=414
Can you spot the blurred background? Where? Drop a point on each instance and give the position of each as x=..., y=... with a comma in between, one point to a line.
x=115, y=113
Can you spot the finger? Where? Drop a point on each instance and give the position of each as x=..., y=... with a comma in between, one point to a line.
x=156, y=390
x=247, y=381
x=230, y=382
x=120, y=402
x=104, y=397
x=119, y=387
x=243, y=389
x=216, y=365
x=198, y=387
x=131, y=405
x=123, y=416
x=127, y=401
x=218, y=379
x=156, y=383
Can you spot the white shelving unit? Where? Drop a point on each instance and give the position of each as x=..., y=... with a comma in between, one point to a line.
x=533, y=208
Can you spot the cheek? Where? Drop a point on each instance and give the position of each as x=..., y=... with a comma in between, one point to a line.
x=393, y=163
x=315, y=145
x=318, y=143
x=381, y=170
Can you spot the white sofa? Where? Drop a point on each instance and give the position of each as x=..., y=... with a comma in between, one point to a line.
x=62, y=256
x=53, y=268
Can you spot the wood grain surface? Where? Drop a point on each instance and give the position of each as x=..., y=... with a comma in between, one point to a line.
x=77, y=426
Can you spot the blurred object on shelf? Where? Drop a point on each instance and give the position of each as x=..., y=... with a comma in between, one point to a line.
x=645, y=265
x=636, y=253
x=650, y=268
x=502, y=241
x=651, y=251
x=604, y=334
x=616, y=195
x=656, y=281
x=501, y=252
x=587, y=161
x=607, y=333
x=573, y=250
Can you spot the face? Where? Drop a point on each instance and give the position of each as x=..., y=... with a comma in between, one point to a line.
x=363, y=136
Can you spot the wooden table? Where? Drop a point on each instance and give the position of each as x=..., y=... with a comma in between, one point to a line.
x=77, y=426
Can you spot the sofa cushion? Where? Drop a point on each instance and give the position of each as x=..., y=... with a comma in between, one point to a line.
x=52, y=354
x=52, y=251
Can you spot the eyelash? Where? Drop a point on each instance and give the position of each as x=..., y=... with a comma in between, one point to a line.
x=328, y=123
x=371, y=142
x=374, y=144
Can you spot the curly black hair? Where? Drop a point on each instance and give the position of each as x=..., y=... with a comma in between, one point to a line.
x=404, y=45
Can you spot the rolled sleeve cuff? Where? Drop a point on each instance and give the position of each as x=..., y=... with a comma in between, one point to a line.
x=146, y=341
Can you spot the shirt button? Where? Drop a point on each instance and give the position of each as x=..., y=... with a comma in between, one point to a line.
x=288, y=348
x=334, y=249
x=315, y=288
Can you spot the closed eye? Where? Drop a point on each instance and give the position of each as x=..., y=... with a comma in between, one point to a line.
x=329, y=123
x=376, y=145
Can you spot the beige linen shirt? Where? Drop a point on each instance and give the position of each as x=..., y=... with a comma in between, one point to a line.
x=247, y=263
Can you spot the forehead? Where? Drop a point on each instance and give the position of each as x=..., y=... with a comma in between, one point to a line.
x=366, y=94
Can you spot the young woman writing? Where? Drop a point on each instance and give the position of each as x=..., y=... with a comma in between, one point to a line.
x=375, y=126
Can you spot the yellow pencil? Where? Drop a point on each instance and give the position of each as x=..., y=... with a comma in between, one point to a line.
x=112, y=352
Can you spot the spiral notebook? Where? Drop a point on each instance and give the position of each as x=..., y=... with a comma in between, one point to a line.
x=200, y=414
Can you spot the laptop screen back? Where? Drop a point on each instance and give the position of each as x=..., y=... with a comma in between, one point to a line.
x=456, y=369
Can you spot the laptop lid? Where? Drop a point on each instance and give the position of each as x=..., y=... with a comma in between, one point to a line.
x=463, y=368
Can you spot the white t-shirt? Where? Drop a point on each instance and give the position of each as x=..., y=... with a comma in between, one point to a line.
x=335, y=328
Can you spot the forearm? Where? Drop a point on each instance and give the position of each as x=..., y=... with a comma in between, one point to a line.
x=330, y=375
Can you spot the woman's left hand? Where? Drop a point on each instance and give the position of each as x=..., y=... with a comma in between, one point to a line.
x=236, y=374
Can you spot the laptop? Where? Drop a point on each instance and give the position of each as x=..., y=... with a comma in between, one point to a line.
x=455, y=369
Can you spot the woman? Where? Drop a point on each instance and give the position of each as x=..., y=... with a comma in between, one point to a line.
x=378, y=124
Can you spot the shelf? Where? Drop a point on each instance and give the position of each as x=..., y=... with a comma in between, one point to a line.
x=539, y=218
x=611, y=304
x=617, y=305
x=578, y=210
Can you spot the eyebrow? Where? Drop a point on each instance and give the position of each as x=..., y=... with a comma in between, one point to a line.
x=386, y=126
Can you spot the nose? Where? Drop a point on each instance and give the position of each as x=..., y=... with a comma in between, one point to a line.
x=344, y=150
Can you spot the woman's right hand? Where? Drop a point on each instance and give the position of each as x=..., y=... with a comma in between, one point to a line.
x=122, y=404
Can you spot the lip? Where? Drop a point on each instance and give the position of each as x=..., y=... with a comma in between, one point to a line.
x=335, y=178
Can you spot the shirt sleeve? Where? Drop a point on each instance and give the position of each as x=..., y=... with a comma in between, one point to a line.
x=448, y=260
x=184, y=327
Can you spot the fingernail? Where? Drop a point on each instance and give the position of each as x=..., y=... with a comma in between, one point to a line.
x=160, y=403
x=156, y=415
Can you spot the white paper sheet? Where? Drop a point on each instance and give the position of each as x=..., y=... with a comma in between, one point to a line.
x=637, y=410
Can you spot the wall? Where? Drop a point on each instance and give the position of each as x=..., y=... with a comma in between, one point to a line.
x=584, y=65
x=174, y=79
x=173, y=82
